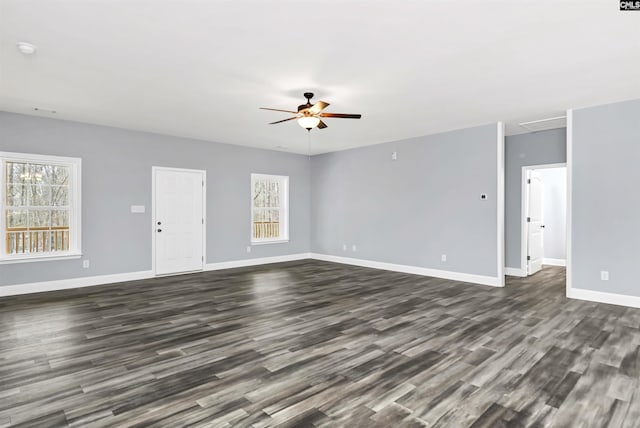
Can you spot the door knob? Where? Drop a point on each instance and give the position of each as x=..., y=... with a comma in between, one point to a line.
x=542, y=226
x=159, y=230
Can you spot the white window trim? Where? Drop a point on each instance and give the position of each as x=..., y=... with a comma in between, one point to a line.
x=75, y=208
x=284, y=211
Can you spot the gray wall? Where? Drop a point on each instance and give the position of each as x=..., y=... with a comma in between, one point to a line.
x=537, y=148
x=116, y=173
x=412, y=210
x=554, y=205
x=606, y=199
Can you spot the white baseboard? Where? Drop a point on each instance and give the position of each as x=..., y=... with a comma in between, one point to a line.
x=601, y=297
x=554, y=262
x=256, y=262
x=515, y=272
x=415, y=270
x=65, y=284
x=88, y=281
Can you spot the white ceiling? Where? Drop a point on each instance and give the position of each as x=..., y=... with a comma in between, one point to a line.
x=201, y=68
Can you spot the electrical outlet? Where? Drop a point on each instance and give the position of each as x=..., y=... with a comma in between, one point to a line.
x=344, y=247
x=353, y=248
x=85, y=264
x=443, y=257
x=604, y=275
x=249, y=249
x=483, y=196
x=394, y=156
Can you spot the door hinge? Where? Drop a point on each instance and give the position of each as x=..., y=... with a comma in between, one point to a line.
x=528, y=258
x=202, y=258
x=528, y=219
x=202, y=183
x=202, y=221
x=529, y=181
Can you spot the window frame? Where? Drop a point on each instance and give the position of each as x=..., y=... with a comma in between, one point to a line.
x=284, y=210
x=75, y=207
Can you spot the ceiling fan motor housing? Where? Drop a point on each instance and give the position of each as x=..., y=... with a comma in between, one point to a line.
x=308, y=96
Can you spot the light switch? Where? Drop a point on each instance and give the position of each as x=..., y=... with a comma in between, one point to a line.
x=137, y=209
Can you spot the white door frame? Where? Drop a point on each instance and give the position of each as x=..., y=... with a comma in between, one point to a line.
x=524, y=209
x=154, y=169
x=500, y=205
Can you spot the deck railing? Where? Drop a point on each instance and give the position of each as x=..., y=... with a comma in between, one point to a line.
x=22, y=240
x=266, y=230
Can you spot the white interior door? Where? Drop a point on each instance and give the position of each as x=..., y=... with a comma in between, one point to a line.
x=535, y=242
x=179, y=220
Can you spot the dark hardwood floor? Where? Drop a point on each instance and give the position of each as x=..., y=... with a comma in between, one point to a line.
x=312, y=343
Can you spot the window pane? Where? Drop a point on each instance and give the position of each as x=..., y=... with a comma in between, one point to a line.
x=259, y=194
x=60, y=196
x=34, y=173
x=266, y=215
x=15, y=171
x=60, y=175
x=16, y=218
x=39, y=195
x=16, y=195
x=266, y=193
x=258, y=215
x=275, y=194
x=39, y=219
x=59, y=218
x=266, y=224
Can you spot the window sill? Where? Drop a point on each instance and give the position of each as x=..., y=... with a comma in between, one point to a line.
x=270, y=241
x=39, y=258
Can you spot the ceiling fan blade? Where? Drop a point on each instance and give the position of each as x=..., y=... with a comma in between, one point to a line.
x=276, y=109
x=322, y=125
x=318, y=107
x=342, y=115
x=284, y=120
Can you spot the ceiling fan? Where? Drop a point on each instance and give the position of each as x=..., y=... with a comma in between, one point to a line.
x=309, y=115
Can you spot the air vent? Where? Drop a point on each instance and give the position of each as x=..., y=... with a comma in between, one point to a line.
x=44, y=110
x=544, y=124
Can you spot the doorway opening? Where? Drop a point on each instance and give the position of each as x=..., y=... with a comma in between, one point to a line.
x=544, y=217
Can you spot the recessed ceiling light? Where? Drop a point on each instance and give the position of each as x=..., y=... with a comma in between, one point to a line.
x=26, y=48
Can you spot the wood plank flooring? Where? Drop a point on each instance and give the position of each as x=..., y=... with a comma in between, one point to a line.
x=311, y=343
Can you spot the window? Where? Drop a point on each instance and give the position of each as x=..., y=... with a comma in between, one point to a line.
x=269, y=208
x=40, y=203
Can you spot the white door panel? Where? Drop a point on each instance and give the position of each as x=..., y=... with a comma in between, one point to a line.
x=179, y=221
x=535, y=242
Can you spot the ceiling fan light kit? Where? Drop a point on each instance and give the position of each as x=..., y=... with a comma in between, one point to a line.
x=308, y=122
x=309, y=115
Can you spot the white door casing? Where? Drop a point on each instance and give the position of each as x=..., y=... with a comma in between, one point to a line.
x=178, y=220
x=535, y=225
